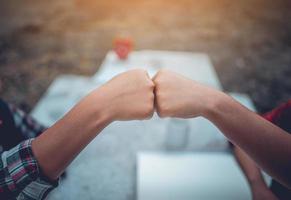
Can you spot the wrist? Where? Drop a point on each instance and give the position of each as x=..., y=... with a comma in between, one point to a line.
x=217, y=103
x=96, y=105
x=105, y=103
x=103, y=112
x=102, y=116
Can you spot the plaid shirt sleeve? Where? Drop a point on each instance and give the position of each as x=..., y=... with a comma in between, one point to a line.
x=20, y=175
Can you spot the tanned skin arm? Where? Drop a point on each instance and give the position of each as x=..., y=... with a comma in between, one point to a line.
x=128, y=96
x=268, y=145
x=254, y=176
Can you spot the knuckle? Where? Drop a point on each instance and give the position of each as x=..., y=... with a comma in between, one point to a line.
x=163, y=71
x=143, y=72
x=134, y=71
x=160, y=77
x=157, y=80
x=151, y=84
x=139, y=72
x=157, y=76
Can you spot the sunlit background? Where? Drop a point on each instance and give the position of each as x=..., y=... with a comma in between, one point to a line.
x=248, y=41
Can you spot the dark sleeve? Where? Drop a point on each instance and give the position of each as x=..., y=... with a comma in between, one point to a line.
x=27, y=126
x=16, y=126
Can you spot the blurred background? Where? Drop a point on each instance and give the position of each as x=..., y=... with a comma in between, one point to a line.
x=248, y=41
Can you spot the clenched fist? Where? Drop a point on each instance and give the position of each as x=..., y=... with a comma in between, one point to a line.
x=129, y=96
x=178, y=96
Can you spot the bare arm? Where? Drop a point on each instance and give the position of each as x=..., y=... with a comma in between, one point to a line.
x=60, y=144
x=249, y=167
x=254, y=176
x=268, y=145
x=264, y=142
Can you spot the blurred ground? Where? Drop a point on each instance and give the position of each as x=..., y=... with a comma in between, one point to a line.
x=249, y=41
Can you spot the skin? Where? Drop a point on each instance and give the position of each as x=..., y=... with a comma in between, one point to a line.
x=258, y=186
x=173, y=96
x=177, y=96
x=128, y=96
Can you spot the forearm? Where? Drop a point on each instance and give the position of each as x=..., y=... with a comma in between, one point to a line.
x=61, y=143
x=128, y=96
x=249, y=168
x=260, y=139
x=178, y=96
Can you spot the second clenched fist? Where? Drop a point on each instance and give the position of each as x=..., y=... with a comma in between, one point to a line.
x=129, y=96
x=178, y=96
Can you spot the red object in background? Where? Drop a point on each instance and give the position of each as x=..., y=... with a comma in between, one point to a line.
x=122, y=47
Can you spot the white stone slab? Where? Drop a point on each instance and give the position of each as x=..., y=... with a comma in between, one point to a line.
x=188, y=176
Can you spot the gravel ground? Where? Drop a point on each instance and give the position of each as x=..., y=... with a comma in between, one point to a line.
x=249, y=41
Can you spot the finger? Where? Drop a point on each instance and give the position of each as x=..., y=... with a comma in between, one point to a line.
x=151, y=83
x=147, y=74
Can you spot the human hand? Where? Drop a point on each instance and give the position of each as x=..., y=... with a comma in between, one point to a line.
x=262, y=192
x=178, y=96
x=129, y=96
